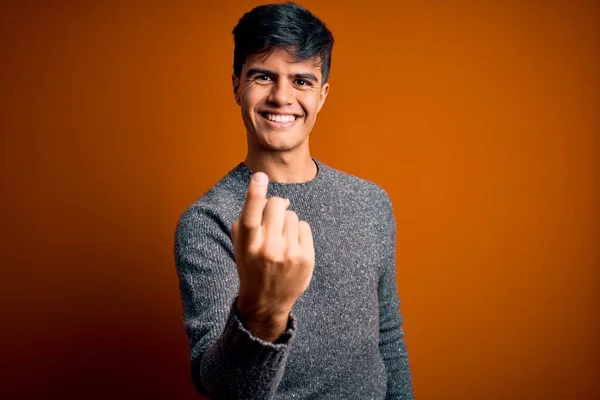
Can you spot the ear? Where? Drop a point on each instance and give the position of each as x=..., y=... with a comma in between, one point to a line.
x=235, y=81
x=324, y=93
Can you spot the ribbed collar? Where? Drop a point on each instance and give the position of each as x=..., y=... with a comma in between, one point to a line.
x=243, y=173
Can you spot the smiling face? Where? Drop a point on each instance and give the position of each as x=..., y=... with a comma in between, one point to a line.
x=279, y=100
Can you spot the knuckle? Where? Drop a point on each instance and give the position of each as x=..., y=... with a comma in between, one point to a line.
x=304, y=227
x=303, y=259
x=272, y=252
x=291, y=215
x=292, y=254
x=245, y=225
x=296, y=256
x=303, y=224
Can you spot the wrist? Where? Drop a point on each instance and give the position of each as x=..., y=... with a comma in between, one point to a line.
x=263, y=323
x=262, y=310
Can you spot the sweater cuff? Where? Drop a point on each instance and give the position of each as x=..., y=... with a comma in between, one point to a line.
x=240, y=337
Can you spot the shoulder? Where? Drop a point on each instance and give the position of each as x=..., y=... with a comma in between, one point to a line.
x=217, y=208
x=356, y=186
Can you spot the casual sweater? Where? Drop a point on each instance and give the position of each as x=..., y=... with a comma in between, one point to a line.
x=344, y=338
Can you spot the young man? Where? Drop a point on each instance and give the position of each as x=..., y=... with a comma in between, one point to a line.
x=287, y=265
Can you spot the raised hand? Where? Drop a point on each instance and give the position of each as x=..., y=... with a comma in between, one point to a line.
x=275, y=257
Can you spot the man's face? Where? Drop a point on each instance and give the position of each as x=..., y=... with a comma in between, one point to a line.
x=279, y=100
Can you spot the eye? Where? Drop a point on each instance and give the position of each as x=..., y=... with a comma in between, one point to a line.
x=302, y=82
x=263, y=77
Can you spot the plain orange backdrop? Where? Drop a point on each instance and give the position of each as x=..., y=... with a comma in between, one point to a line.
x=480, y=119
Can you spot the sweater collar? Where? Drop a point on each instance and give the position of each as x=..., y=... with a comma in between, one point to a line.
x=244, y=173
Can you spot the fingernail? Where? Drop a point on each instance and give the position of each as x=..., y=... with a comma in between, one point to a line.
x=260, y=178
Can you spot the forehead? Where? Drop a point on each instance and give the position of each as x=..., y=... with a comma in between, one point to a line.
x=280, y=60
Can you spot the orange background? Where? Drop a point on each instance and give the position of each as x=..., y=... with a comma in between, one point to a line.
x=480, y=120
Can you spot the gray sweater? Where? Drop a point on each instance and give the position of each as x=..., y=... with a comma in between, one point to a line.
x=344, y=338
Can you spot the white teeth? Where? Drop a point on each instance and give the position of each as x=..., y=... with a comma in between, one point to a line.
x=280, y=118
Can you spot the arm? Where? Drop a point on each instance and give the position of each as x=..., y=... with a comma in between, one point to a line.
x=227, y=361
x=391, y=342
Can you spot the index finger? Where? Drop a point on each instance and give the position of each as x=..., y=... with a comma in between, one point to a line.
x=251, y=217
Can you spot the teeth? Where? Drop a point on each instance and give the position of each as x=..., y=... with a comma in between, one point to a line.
x=280, y=118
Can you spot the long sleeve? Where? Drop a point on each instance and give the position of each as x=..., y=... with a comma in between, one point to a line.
x=391, y=344
x=227, y=362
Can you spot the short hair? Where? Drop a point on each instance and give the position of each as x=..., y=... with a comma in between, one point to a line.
x=285, y=25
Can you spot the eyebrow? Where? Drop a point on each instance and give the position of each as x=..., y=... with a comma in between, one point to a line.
x=306, y=75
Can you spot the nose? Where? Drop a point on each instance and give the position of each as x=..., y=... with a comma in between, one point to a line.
x=282, y=93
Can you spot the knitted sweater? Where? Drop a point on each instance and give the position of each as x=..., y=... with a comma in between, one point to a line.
x=344, y=338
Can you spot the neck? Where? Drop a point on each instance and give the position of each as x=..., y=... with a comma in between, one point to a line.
x=283, y=168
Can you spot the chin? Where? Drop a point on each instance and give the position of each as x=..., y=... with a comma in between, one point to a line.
x=268, y=143
x=280, y=146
